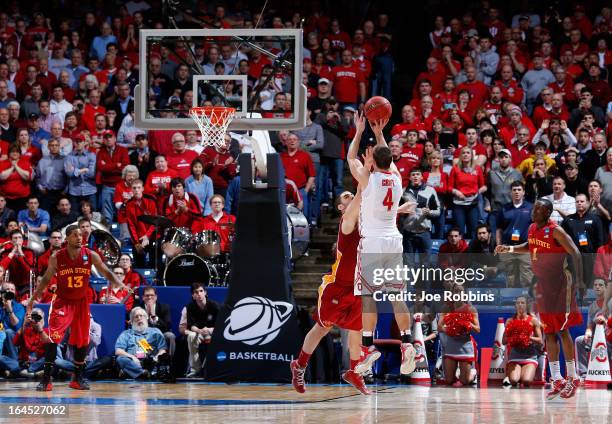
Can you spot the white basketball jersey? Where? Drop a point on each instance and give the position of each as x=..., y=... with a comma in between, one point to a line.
x=379, y=203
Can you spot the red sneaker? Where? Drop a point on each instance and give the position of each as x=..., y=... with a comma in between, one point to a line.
x=79, y=384
x=45, y=385
x=356, y=380
x=369, y=355
x=556, y=389
x=571, y=386
x=297, y=377
x=408, y=364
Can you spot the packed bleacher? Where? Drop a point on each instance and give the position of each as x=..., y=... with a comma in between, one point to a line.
x=508, y=108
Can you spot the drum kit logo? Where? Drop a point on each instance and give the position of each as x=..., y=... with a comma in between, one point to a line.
x=256, y=320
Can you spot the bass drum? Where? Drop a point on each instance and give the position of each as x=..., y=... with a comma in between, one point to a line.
x=299, y=232
x=189, y=268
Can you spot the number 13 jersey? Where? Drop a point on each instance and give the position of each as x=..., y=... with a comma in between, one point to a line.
x=72, y=275
x=379, y=204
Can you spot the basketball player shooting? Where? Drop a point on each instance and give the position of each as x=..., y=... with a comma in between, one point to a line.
x=70, y=305
x=555, y=292
x=380, y=247
x=337, y=304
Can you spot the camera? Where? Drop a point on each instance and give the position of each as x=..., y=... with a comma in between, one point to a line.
x=36, y=317
x=7, y=295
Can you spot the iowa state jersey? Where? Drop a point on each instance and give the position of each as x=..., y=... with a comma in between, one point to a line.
x=72, y=275
x=379, y=204
x=343, y=269
x=547, y=255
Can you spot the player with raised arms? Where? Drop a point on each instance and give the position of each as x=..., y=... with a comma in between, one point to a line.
x=337, y=303
x=71, y=266
x=380, y=247
x=555, y=291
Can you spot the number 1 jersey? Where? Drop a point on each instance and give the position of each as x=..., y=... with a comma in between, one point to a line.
x=379, y=204
x=72, y=275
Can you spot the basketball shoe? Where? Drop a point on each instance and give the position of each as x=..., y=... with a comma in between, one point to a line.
x=78, y=383
x=571, y=386
x=408, y=364
x=557, y=387
x=45, y=385
x=297, y=377
x=356, y=380
x=369, y=355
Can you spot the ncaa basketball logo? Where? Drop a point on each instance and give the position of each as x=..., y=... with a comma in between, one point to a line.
x=256, y=320
x=600, y=352
x=419, y=351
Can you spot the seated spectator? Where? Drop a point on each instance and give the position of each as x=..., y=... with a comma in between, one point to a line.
x=15, y=176
x=457, y=349
x=563, y=204
x=50, y=176
x=513, y=221
x=482, y=251
x=416, y=224
x=12, y=314
x=448, y=250
x=132, y=279
x=139, y=348
x=88, y=213
x=116, y=294
x=197, y=324
x=200, y=184
x=219, y=221
x=141, y=234
x=220, y=165
x=65, y=215
x=35, y=219
x=30, y=340
x=80, y=167
x=123, y=193
x=65, y=358
x=158, y=181
x=109, y=165
x=180, y=159
x=159, y=316
x=181, y=207
x=595, y=317
x=523, y=361
x=526, y=167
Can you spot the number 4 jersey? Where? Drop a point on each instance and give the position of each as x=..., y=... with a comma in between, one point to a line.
x=73, y=274
x=379, y=204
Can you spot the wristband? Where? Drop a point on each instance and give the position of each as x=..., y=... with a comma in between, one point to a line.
x=511, y=249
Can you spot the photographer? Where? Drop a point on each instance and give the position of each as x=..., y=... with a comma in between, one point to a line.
x=31, y=340
x=140, y=348
x=11, y=317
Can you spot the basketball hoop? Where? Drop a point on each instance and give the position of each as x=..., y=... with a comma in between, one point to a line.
x=212, y=122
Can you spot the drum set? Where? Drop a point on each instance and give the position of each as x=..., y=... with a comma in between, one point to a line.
x=189, y=257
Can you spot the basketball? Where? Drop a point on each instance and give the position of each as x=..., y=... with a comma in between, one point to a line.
x=378, y=108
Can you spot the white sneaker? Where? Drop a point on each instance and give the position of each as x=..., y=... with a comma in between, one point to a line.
x=193, y=374
x=408, y=354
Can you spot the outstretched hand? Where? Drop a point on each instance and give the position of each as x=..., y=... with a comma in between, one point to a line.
x=378, y=125
x=359, y=120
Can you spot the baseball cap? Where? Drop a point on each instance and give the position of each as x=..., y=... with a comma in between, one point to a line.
x=33, y=115
x=505, y=151
x=349, y=109
x=323, y=81
x=108, y=133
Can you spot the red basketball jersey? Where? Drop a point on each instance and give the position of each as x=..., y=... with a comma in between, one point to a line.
x=73, y=274
x=547, y=255
x=343, y=269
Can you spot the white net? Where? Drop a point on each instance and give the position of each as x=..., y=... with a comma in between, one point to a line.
x=212, y=122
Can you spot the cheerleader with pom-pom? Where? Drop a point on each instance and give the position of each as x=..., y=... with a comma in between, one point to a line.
x=456, y=322
x=522, y=335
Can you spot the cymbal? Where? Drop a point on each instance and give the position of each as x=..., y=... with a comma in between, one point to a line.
x=158, y=221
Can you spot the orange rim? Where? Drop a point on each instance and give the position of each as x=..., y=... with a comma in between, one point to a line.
x=217, y=114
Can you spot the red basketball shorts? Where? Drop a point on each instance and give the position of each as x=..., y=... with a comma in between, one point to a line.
x=73, y=314
x=337, y=305
x=554, y=322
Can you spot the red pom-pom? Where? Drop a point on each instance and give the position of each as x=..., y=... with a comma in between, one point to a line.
x=458, y=323
x=518, y=333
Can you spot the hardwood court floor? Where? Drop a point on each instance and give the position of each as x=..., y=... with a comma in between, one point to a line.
x=130, y=402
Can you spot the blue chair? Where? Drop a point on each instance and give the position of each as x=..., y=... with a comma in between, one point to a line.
x=508, y=295
x=147, y=273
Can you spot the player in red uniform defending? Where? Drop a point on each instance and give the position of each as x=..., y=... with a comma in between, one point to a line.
x=555, y=291
x=337, y=304
x=70, y=306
